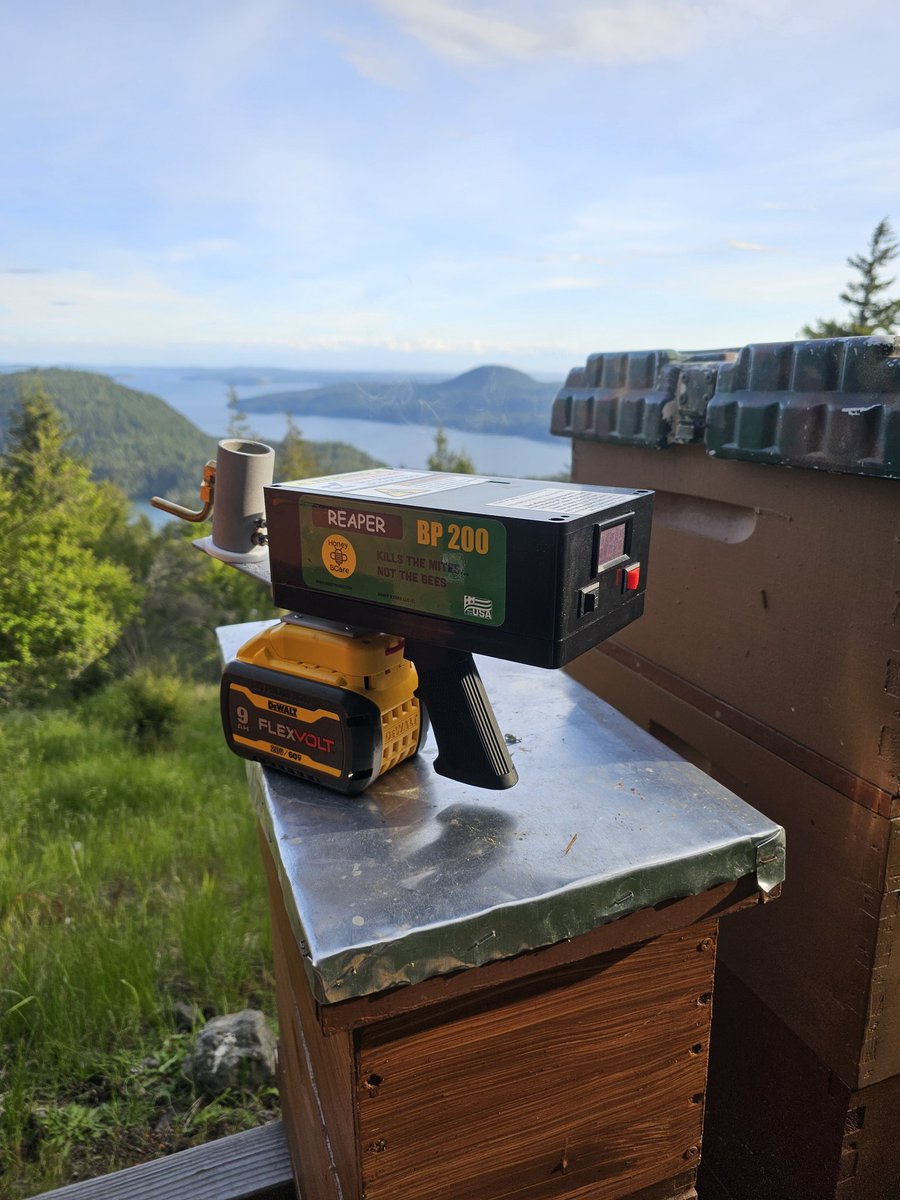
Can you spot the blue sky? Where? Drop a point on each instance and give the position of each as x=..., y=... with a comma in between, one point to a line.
x=434, y=184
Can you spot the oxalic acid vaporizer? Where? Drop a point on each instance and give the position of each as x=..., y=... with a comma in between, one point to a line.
x=441, y=566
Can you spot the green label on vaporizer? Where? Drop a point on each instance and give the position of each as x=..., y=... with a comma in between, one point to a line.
x=444, y=564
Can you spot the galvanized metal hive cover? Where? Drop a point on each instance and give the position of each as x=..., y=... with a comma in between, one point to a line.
x=421, y=876
x=831, y=404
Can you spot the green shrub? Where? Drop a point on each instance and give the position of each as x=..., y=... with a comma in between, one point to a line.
x=147, y=707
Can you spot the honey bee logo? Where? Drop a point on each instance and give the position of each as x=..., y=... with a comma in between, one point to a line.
x=338, y=556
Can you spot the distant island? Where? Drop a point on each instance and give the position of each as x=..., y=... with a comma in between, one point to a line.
x=485, y=400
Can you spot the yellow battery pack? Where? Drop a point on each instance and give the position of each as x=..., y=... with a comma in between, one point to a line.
x=326, y=702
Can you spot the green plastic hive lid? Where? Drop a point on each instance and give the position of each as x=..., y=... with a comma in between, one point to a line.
x=832, y=404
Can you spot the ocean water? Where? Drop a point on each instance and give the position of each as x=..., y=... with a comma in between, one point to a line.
x=205, y=402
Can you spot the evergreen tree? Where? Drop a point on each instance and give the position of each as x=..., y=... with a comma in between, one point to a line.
x=184, y=596
x=296, y=458
x=63, y=601
x=870, y=310
x=442, y=458
x=238, y=422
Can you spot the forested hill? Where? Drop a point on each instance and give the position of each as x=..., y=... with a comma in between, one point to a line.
x=132, y=438
x=485, y=400
x=139, y=441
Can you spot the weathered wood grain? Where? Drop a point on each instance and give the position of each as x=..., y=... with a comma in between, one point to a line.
x=779, y=1122
x=887, y=804
x=592, y=1087
x=680, y=1187
x=826, y=957
x=312, y=1151
x=788, y=612
x=317, y=1072
x=246, y=1166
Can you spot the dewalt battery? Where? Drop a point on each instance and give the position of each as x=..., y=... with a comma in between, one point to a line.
x=326, y=702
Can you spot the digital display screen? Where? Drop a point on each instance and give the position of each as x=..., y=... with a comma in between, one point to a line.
x=611, y=544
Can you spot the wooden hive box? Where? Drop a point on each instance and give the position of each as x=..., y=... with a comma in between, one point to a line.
x=803, y=1083
x=768, y=656
x=780, y=1122
x=826, y=957
x=508, y=994
x=583, y=1078
x=776, y=594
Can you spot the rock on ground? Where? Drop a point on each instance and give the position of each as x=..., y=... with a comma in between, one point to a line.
x=236, y=1052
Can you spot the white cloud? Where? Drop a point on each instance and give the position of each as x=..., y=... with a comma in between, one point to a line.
x=634, y=31
x=754, y=247
x=377, y=60
x=232, y=43
x=463, y=33
x=81, y=305
x=294, y=195
x=609, y=32
x=427, y=344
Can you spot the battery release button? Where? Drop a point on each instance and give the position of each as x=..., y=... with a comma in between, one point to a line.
x=632, y=577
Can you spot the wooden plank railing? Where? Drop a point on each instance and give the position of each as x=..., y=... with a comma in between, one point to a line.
x=245, y=1166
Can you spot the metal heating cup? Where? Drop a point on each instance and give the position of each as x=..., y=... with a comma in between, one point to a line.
x=243, y=469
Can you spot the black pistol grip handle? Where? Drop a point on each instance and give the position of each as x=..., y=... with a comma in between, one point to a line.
x=471, y=748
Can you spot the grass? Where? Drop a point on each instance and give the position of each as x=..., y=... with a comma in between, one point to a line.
x=129, y=880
